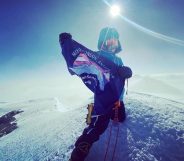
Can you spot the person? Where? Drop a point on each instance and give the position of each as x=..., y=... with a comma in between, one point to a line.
x=103, y=109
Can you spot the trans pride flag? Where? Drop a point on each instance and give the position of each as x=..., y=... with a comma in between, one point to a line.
x=95, y=70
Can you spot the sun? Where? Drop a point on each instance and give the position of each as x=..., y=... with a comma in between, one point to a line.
x=115, y=10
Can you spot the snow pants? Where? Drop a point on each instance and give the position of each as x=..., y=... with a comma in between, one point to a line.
x=91, y=134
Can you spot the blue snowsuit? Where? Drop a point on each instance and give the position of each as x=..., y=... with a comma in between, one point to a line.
x=103, y=103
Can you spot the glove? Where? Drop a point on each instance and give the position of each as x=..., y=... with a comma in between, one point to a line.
x=125, y=72
x=64, y=36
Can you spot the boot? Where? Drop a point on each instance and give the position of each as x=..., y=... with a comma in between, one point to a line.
x=80, y=152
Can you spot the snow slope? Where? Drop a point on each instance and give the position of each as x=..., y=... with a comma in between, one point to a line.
x=154, y=130
x=163, y=85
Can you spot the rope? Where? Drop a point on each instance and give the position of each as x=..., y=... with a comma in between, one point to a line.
x=107, y=148
x=113, y=154
x=117, y=105
x=127, y=88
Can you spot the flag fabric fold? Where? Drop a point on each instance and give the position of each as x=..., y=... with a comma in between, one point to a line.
x=97, y=72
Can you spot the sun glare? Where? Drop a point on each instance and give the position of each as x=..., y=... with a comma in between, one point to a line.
x=115, y=10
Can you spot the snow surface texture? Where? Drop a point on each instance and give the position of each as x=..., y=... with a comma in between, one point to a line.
x=163, y=85
x=154, y=130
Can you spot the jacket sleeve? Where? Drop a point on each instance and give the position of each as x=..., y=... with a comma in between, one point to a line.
x=65, y=40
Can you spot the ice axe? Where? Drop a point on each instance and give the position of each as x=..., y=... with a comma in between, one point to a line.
x=90, y=109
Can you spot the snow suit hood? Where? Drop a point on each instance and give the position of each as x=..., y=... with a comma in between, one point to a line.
x=106, y=34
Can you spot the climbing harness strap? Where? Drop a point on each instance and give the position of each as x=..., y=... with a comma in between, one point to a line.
x=117, y=105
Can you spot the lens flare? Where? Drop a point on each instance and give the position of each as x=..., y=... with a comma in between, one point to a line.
x=115, y=10
x=172, y=40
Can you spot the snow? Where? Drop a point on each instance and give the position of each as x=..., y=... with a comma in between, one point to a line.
x=163, y=85
x=42, y=131
x=153, y=131
x=53, y=119
x=59, y=106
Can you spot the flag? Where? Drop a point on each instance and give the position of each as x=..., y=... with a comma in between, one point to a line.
x=97, y=72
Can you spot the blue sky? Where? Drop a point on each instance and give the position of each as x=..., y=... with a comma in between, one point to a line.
x=29, y=33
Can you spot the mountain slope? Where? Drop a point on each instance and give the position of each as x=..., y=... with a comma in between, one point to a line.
x=163, y=85
x=153, y=131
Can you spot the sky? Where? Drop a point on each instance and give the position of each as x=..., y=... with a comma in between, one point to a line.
x=29, y=34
